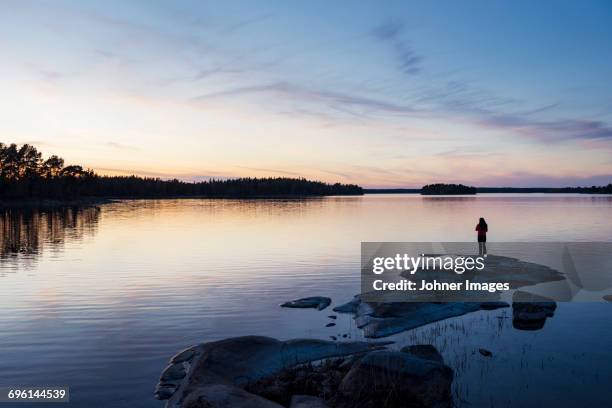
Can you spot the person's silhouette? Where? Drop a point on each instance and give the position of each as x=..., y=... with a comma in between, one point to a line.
x=482, y=229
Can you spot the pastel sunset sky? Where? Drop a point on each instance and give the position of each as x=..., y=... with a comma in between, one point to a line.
x=382, y=94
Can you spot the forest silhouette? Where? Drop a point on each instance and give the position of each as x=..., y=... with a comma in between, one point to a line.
x=24, y=174
x=447, y=189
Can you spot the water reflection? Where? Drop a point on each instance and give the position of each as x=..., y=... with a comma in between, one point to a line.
x=530, y=311
x=26, y=233
x=110, y=294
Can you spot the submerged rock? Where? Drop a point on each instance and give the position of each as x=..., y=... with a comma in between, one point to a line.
x=397, y=379
x=485, y=352
x=314, y=302
x=350, y=307
x=424, y=351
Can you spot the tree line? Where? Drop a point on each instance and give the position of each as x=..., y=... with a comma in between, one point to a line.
x=24, y=174
x=552, y=190
x=447, y=189
x=450, y=189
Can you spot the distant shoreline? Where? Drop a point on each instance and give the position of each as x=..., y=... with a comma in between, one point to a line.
x=35, y=203
x=488, y=190
x=91, y=201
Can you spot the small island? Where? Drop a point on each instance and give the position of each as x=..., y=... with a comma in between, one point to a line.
x=447, y=189
x=25, y=178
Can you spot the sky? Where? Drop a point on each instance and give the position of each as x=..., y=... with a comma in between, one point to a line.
x=381, y=94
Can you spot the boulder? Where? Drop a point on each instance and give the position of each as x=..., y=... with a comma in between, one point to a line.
x=530, y=311
x=307, y=401
x=397, y=379
x=164, y=391
x=314, y=302
x=183, y=356
x=320, y=380
x=241, y=361
x=225, y=396
x=173, y=372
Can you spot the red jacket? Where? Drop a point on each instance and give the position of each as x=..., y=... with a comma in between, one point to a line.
x=482, y=231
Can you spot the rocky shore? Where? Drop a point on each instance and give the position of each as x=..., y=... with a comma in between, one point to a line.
x=263, y=372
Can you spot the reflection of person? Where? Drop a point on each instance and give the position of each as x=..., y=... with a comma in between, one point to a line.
x=482, y=229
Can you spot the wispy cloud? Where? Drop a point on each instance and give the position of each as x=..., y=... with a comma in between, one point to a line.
x=121, y=146
x=331, y=98
x=390, y=33
x=554, y=130
x=531, y=179
x=464, y=107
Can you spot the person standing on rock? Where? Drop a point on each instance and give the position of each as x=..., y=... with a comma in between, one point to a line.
x=482, y=229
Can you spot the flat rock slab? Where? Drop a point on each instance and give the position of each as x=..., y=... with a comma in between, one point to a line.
x=385, y=319
x=503, y=269
x=314, y=302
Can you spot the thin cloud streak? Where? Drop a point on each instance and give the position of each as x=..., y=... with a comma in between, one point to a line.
x=390, y=33
x=332, y=98
x=121, y=146
x=546, y=131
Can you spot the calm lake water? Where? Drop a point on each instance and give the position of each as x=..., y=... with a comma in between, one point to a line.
x=99, y=298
